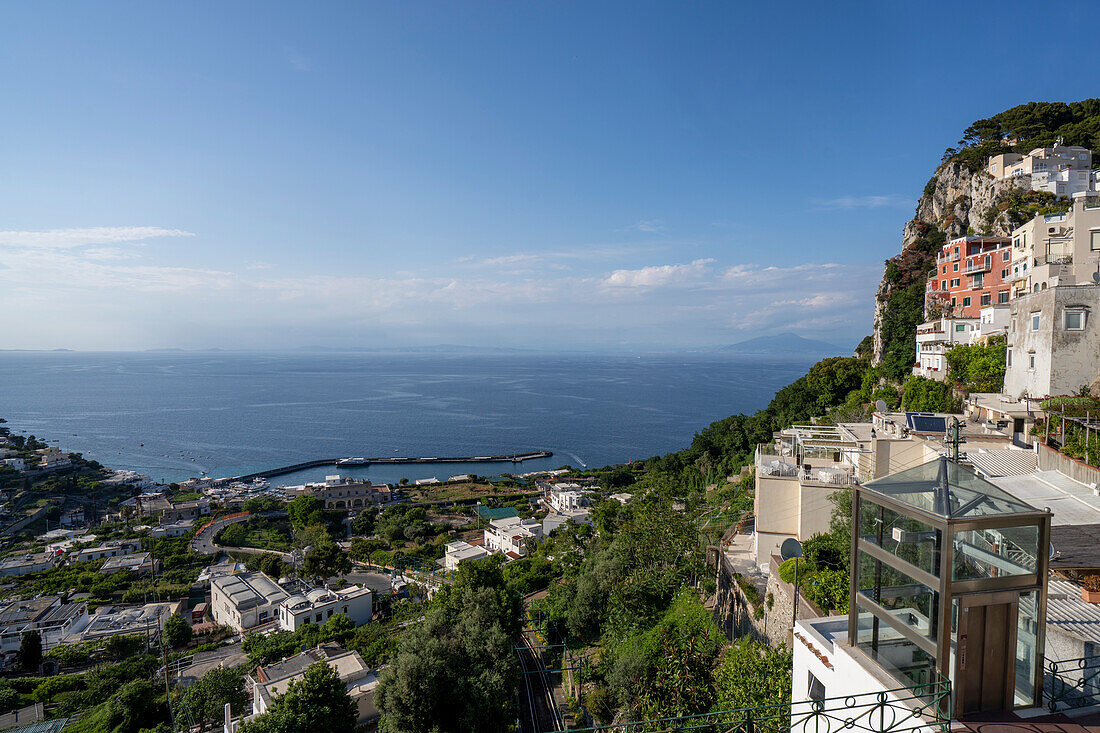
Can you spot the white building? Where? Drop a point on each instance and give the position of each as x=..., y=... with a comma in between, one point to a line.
x=1056, y=249
x=118, y=620
x=512, y=535
x=1053, y=341
x=16, y=463
x=338, y=492
x=936, y=338
x=140, y=563
x=458, y=552
x=320, y=604
x=178, y=529
x=31, y=562
x=553, y=519
x=569, y=497
x=245, y=600
x=185, y=510
x=53, y=459
x=992, y=321
x=111, y=548
x=1062, y=170
x=51, y=616
x=273, y=680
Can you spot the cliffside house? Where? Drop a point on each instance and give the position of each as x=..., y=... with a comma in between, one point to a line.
x=936, y=338
x=1053, y=341
x=1057, y=249
x=971, y=272
x=1062, y=170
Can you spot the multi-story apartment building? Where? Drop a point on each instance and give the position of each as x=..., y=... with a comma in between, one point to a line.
x=320, y=604
x=971, y=272
x=992, y=321
x=512, y=535
x=1057, y=249
x=338, y=492
x=246, y=600
x=1062, y=170
x=935, y=339
x=1053, y=341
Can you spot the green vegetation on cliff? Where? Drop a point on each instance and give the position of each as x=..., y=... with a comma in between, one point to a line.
x=1032, y=125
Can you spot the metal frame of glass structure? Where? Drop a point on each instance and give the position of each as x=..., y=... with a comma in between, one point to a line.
x=935, y=541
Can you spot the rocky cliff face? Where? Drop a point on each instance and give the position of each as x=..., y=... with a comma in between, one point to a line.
x=955, y=202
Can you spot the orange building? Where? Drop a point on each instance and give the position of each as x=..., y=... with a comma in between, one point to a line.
x=971, y=272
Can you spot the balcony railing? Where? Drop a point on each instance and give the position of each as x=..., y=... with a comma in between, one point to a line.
x=978, y=267
x=1054, y=259
x=920, y=707
x=1072, y=683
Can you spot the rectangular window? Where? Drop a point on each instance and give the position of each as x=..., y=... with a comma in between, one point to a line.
x=943, y=285
x=1008, y=357
x=956, y=267
x=966, y=302
x=1074, y=320
x=1002, y=297
x=1004, y=256
x=960, y=327
x=955, y=283
x=1031, y=361
x=987, y=298
x=1035, y=321
x=944, y=270
x=816, y=689
x=988, y=553
x=952, y=301
x=1094, y=241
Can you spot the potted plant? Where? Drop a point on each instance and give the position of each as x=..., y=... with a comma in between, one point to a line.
x=1090, y=593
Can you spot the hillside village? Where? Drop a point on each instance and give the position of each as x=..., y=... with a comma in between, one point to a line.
x=911, y=532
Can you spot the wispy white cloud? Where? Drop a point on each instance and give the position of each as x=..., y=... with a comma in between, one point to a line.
x=648, y=225
x=820, y=300
x=298, y=61
x=60, y=238
x=522, y=258
x=892, y=201
x=258, y=266
x=658, y=275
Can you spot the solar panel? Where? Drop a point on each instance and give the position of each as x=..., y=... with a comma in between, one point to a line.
x=925, y=423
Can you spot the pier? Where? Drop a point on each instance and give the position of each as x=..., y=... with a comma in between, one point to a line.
x=358, y=462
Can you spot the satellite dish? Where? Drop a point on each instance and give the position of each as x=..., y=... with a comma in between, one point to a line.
x=790, y=548
x=1096, y=277
x=881, y=406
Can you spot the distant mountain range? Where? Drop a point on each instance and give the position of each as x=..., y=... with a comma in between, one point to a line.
x=786, y=344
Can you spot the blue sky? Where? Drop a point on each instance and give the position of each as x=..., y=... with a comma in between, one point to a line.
x=587, y=175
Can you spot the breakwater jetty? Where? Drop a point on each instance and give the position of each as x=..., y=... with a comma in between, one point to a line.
x=505, y=458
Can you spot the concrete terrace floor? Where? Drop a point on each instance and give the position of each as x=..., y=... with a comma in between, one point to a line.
x=1011, y=723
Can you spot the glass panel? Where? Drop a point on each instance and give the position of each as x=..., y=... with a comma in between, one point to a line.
x=893, y=652
x=908, y=600
x=947, y=489
x=1025, y=649
x=913, y=541
x=991, y=553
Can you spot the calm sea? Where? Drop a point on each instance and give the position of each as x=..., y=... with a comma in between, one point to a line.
x=175, y=415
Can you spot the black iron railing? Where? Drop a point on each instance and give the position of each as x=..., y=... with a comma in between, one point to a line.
x=1072, y=683
x=916, y=709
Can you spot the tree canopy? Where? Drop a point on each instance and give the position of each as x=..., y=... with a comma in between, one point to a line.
x=317, y=702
